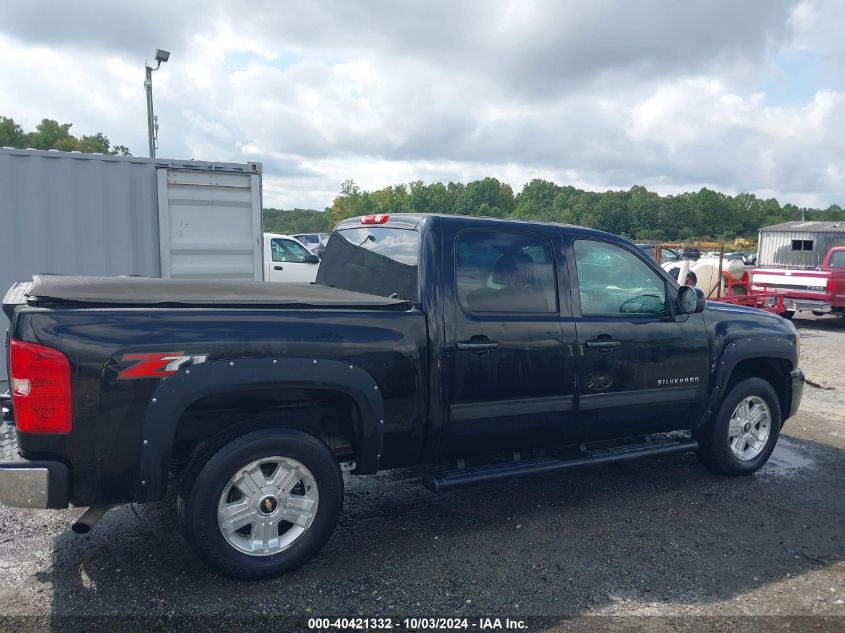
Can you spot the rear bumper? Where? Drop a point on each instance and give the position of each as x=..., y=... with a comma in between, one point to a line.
x=797, y=381
x=30, y=484
x=791, y=303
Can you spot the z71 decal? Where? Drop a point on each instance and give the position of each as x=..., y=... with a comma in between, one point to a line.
x=157, y=364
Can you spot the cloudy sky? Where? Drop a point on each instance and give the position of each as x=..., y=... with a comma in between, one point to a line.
x=739, y=96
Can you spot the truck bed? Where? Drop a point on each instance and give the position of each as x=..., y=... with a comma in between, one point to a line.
x=54, y=290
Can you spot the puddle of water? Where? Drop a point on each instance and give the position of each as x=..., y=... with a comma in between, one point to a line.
x=788, y=459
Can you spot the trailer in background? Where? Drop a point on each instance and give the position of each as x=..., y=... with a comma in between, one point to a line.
x=90, y=214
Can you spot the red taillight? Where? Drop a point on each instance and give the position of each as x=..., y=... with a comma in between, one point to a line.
x=380, y=218
x=40, y=385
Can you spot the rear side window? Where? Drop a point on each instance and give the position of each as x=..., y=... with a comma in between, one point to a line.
x=614, y=282
x=505, y=273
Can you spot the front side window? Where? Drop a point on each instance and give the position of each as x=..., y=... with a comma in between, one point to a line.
x=612, y=281
x=287, y=251
x=668, y=255
x=505, y=272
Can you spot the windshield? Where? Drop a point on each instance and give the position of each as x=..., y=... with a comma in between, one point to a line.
x=376, y=260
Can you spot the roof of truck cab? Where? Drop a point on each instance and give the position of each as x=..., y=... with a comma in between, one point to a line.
x=413, y=220
x=148, y=291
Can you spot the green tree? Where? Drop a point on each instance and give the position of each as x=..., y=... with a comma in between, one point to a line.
x=536, y=200
x=95, y=143
x=297, y=221
x=637, y=213
x=50, y=134
x=488, y=197
x=11, y=134
x=351, y=202
x=433, y=198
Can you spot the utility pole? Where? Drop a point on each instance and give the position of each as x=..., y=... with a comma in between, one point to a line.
x=152, y=119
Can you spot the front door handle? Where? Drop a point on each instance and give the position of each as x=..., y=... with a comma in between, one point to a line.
x=277, y=267
x=603, y=345
x=477, y=345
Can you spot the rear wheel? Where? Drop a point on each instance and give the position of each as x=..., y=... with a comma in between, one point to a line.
x=743, y=435
x=262, y=504
x=788, y=314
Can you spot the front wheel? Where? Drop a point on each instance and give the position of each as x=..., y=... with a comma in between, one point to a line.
x=263, y=504
x=743, y=435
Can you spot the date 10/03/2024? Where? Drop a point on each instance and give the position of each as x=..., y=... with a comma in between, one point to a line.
x=416, y=624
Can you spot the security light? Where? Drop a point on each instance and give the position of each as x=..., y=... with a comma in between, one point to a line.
x=152, y=120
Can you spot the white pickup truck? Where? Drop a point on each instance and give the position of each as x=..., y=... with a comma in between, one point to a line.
x=287, y=259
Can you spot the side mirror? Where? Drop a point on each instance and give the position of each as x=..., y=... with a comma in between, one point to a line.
x=691, y=299
x=312, y=259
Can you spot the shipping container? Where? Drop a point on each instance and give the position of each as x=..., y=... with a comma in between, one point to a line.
x=88, y=214
x=798, y=244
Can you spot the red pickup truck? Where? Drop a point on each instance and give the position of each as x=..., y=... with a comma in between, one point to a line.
x=821, y=290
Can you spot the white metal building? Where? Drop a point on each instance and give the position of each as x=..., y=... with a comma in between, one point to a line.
x=798, y=244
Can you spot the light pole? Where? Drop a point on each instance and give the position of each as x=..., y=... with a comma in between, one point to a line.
x=152, y=120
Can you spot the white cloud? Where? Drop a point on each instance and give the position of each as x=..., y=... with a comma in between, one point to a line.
x=599, y=95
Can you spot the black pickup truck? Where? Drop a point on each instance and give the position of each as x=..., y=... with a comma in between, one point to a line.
x=472, y=348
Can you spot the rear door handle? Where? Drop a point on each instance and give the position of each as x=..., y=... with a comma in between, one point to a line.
x=277, y=267
x=477, y=345
x=603, y=345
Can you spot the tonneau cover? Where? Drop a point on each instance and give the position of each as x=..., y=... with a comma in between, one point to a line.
x=146, y=291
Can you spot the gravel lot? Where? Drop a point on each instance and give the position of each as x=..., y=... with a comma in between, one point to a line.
x=658, y=537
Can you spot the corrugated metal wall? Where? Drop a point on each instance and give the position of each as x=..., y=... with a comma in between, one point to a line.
x=775, y=248
x=76, y=216
x=210, y=225
x=86, y=214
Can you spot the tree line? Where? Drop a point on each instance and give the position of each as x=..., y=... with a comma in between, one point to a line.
x=636, y=213
x=50, y=134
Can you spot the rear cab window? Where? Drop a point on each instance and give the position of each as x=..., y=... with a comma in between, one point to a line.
x=377, y=260
x=837, y=259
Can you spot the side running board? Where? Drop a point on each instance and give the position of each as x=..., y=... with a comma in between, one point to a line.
x=460, y=477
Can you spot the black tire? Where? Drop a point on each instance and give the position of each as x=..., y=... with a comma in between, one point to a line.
x=206, y=479
x=788, y=314
x=713, y=440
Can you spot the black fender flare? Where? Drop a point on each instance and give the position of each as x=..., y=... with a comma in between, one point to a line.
x=177, y=392
x=739, y=349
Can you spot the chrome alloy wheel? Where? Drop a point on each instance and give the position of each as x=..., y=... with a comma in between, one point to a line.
x=749, y=428
x=267, y=506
